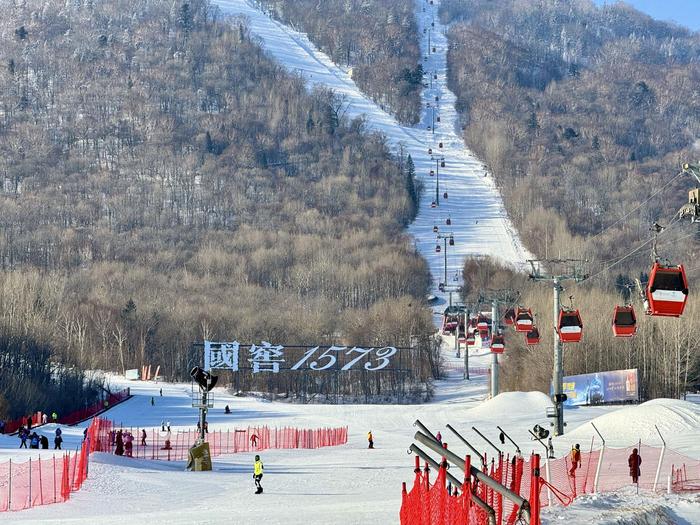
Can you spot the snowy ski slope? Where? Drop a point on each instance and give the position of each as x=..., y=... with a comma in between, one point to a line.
x=479, y=222
x=350, y=484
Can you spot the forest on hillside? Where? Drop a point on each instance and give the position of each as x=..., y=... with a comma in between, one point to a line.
x=584, y=115
x=378, y=39
x=165, y=182
x=664, y=350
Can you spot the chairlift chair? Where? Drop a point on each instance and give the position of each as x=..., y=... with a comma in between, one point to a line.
x=532, y=337
x=430, y=151
x=570, y=326
x=439, y=144
x=624, y=323
x=523, y=320
x=444, y=195
x=448, y=221
x=667, y=291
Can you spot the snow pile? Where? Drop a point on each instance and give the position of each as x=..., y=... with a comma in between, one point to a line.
x=625, y=507
x=628, y=425
x=509, y=404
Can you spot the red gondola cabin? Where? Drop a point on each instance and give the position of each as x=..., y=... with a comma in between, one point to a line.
x=471, y=340
x=624, y=322
x=482, y=322
x=533, y=336
x=498, y=344
x=667, y=291
x=523, y=320
x=570, y=327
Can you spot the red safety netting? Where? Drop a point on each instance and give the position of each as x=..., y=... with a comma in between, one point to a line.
x=441, y=504
x=43, y=481
x=560, y=483
x=13, y=426
x=174, y=446
x=51, y=480
x=94, y=409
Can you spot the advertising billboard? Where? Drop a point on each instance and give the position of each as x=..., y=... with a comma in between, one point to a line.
x=614, y=386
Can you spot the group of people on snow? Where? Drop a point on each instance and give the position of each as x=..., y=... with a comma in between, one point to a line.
x=633, y=462
x=37, y=440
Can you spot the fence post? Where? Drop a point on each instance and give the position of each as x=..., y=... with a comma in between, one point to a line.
x=30, y=482
x=54, y=478
x=600, y=462
x=661, y=459
x=41, y=485
x=9, y=488
x=535, y=491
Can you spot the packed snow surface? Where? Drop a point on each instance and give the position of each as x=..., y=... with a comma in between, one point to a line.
x=480, y=225
x=351, y=484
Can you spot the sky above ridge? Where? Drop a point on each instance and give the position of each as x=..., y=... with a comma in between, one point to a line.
x=682, y=12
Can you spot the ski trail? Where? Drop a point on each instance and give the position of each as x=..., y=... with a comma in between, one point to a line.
x=480, y=226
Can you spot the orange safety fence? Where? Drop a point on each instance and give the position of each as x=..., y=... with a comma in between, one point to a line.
x=51, y=480
x=443, y=504
x=174, y=446
x=43, y=481
x=72, y=418
x=561, y=486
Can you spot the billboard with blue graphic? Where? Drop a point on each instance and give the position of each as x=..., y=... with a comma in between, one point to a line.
x=614, y=386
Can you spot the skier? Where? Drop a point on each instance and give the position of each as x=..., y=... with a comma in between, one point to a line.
x=370, y=439
x=44, y=442
x=227, y=410
x=143, y=437
x=44, y=419
x=634, y=461
x=153, y=401
x=23, y=433
x=258, y=474
x=54, y=417
x=57, y=440
x=161, y=392
x=575, y=457
x=34, y=440
x=253, y=440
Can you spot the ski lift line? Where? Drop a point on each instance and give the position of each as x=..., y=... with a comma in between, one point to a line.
x=672, y=222
x=651, y=239
x=607, y=268
x=638, y=207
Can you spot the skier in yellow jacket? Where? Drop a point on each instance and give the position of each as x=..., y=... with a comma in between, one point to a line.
x=258, y=474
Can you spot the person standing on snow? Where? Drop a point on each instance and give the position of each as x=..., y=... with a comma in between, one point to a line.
x=143, y=437
x=57, y=440
x=258, y=474
x=575, y=457
x=23, y=433
x=438, y=436
x=634, y=461
x=370, y=439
